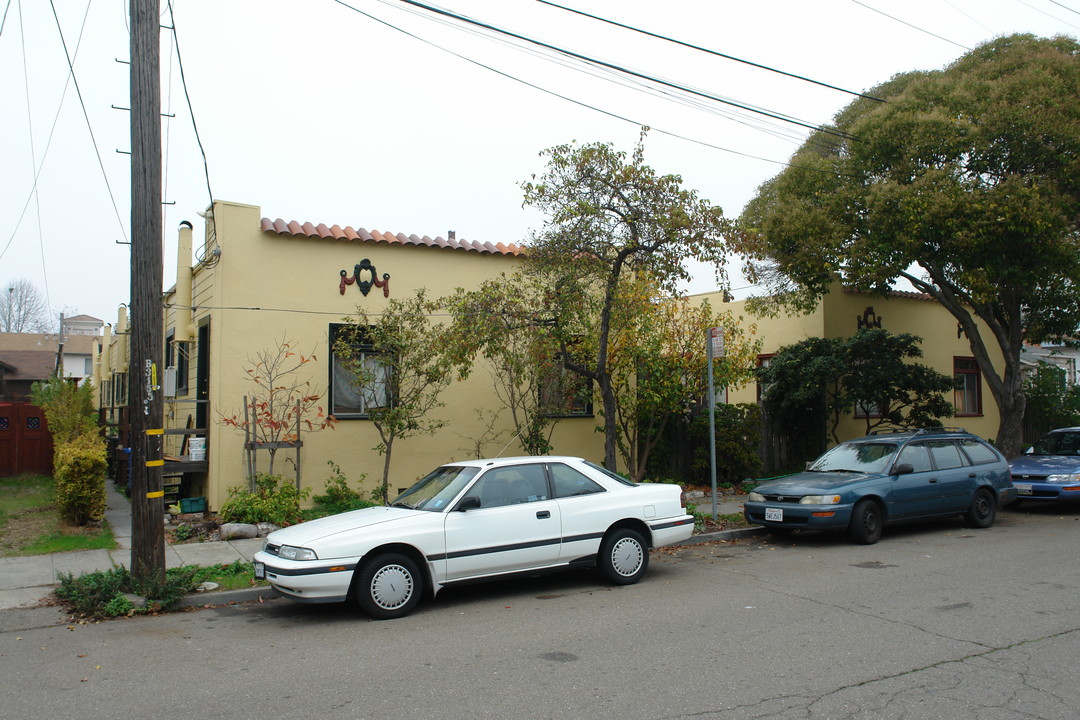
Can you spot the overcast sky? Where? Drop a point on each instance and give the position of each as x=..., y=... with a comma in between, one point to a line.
x=377, y=115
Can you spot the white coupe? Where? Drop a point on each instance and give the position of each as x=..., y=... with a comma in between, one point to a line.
x=475, y=520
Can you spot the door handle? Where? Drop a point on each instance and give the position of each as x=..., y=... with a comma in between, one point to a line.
x=933, y=480
x=972, y=475
x=543, y=514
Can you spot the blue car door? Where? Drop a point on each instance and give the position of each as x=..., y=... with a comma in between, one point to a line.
x=956, y=476
x=915, y=493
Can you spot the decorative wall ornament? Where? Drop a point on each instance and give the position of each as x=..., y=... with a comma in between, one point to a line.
x=869, y=319
x=365, y=266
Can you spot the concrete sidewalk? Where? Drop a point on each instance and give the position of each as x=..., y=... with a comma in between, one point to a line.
x=26, y=581
x=30, y=579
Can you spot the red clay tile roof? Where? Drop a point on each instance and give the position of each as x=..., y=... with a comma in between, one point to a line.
x=295, y=229
x=892, y=293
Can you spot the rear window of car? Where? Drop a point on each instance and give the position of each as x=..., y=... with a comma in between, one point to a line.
x=946, y=454
x=569, y=482
x=978, y=453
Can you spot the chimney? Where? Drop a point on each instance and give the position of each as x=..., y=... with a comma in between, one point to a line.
x=451, y=235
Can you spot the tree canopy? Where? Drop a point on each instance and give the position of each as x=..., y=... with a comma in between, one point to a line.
x=964, y=183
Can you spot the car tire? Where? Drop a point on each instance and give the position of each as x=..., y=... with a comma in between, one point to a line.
x=866, y=522
x=388, y=586
x=983, y=509
x=624, y=556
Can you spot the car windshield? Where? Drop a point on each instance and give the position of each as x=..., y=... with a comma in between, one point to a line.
x=1059, y=443
x=437, y=490
x=860, y=457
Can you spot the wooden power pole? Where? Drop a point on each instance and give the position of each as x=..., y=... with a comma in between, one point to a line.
x=144, y=395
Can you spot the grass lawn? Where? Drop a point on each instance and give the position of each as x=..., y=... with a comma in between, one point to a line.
x=29, y=525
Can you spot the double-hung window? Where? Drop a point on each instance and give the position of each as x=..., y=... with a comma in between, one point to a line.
x=359, y=377
x=967, y=398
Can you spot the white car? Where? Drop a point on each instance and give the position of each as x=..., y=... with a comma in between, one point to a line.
x=475, y=520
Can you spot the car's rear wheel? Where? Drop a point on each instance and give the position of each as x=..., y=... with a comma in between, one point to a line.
x=983, y=509
x=388, y=586
x=624, y=556
x=866, y=522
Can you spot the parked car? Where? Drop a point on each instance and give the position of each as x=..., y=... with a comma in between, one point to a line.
x=899, y=476
x=476, y=520
x=1050, y=469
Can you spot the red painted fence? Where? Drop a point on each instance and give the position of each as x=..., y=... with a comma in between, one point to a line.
x=25, y=441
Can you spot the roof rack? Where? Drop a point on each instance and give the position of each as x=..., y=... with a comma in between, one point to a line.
x=917, y=431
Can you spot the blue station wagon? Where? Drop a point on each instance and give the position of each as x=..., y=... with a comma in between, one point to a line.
x=862, y=485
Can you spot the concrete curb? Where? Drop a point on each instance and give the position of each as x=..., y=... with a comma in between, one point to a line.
x=228, y=597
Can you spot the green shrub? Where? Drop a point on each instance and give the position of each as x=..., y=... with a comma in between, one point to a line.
x=79, y=468
x=274, y=501
x=338, y=497
x=102, y=594
x=68, y=407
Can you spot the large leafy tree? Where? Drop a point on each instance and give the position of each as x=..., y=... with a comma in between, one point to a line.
x=965, y=183
x=609, y=217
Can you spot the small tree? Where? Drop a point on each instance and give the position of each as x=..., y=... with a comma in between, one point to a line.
x=871, y=369
x=79, y=463
x=609, y=218
x=401, y=364
x=281, y=404
x=498, y=321
x=659, y=365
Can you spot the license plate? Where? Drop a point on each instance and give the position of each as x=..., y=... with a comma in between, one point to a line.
x=1022, y=489
x=260, y=571
x=774, y=514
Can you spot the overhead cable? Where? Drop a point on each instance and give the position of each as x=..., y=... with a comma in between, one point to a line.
x=627, y=71
x=711, y=52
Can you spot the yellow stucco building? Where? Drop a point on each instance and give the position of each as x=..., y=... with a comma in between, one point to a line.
x=843, y=311
x=256, y=282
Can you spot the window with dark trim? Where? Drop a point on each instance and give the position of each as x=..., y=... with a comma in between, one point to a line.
x=967, y=398
x=349, y=400
x=566, y=394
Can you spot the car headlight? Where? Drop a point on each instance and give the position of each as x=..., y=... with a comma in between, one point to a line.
x=296, y=553
x=755, y=497
x=1063, y=478
x=819, y=500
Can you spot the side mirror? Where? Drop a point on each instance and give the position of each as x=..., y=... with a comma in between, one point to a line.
x=470, y=502
x=903, y=469
x=1030, y=450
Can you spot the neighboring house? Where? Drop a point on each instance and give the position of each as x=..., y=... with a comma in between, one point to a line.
x=33, y=357
x=844, y=311
x=1067, y=359
x=257, y=282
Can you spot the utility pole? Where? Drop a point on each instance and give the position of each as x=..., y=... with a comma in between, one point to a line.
x=144, y=396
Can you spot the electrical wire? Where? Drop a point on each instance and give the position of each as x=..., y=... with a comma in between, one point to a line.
x=628, y=71
x=1038, y=10
x=711, y=52
x=187, y=97
x=913, y=27
x=572, y=100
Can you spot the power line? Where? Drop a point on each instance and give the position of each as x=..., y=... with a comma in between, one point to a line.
x=187, y=97
x=633, y=73
x=913, y=27
x=566, y=98
x=711, y=52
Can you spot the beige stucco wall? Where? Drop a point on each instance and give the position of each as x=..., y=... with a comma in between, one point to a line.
x=837, y=316
x=266, y=287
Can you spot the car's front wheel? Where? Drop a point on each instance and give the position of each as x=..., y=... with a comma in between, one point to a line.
x=388, y=586
x=983, y=509
x=624, y=556
x=866, y=522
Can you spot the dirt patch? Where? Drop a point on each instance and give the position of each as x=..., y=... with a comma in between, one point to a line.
x=25, y=526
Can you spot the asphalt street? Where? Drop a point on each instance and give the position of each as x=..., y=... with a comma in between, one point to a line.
x=935, y=621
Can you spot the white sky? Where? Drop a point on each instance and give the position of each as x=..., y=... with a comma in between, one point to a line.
x=316, y=112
